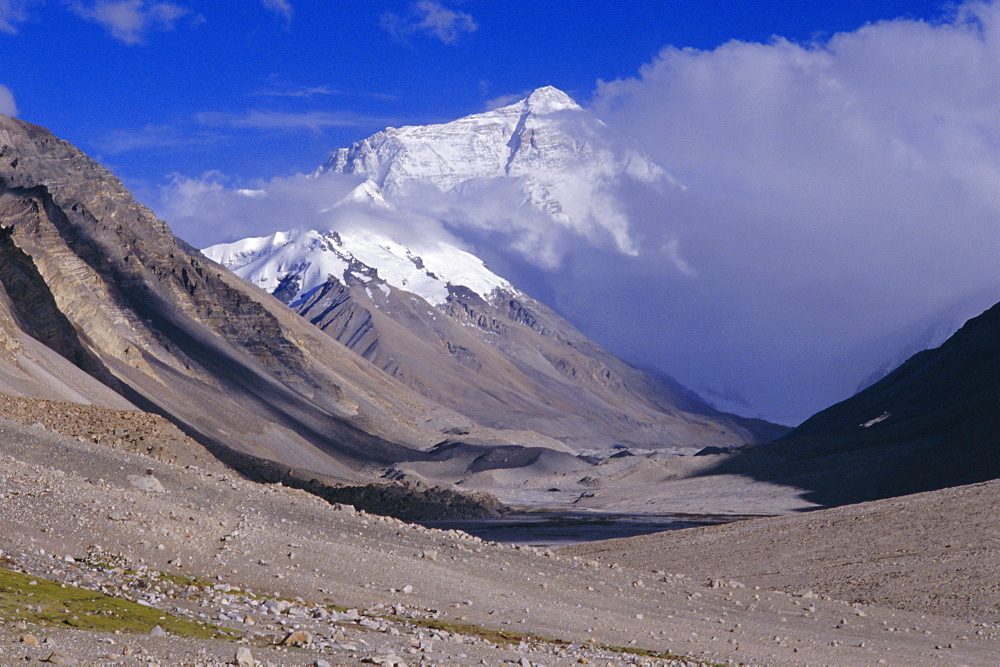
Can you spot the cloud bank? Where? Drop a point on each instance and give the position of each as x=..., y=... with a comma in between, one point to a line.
x=836, y=192
x=212, y=208
x=7, y=105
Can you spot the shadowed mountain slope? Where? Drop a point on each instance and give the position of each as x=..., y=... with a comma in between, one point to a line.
x=932, y=423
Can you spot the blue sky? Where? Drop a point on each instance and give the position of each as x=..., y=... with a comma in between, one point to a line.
x=258, y=88
x=840, y=157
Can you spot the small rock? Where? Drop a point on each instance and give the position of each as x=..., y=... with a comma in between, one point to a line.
x=320, y=662
x=429, y=554
x=146, y=483
x=407, y=589
x=389, y=660
x=244, y=658
x=30, y=640
x=297, y=638
x=57, y=658
x=157, y=631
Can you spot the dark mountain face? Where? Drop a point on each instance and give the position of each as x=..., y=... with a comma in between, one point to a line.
x=932, y=423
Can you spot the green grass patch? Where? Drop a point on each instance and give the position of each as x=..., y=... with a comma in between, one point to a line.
x=50, y=603
x=182, y=580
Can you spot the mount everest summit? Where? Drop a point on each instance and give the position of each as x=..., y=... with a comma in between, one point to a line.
x=434, y=316
x=544, y=157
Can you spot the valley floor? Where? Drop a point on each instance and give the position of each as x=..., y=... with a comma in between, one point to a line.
x=265, y=560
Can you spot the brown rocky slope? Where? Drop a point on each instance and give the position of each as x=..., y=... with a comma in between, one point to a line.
x=91, y=281
x=99, y=281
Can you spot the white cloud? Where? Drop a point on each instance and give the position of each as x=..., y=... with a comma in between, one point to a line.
x=130, y=20
x=13, y=12
x=836, y=193
x=432, y=19
x=281, y=7
x=213, y=209
x=7, y=105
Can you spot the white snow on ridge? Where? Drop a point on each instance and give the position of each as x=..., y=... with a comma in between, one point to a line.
x=315, y=256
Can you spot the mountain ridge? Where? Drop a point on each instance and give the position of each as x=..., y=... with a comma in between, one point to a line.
x=931, y=423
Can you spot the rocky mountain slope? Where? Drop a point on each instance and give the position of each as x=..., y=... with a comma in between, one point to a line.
x=92, y=280
x=435, y=318
x=931, y=423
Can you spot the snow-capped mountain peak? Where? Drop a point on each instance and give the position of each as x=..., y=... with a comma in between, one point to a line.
x=293, y=264
x=554, y=151
x=549, y=99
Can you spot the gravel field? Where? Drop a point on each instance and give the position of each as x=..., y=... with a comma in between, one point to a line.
x=198, y=543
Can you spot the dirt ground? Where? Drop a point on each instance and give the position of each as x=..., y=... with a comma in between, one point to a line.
x=267, y=561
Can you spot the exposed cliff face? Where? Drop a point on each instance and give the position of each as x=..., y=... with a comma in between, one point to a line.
x=96, y=278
